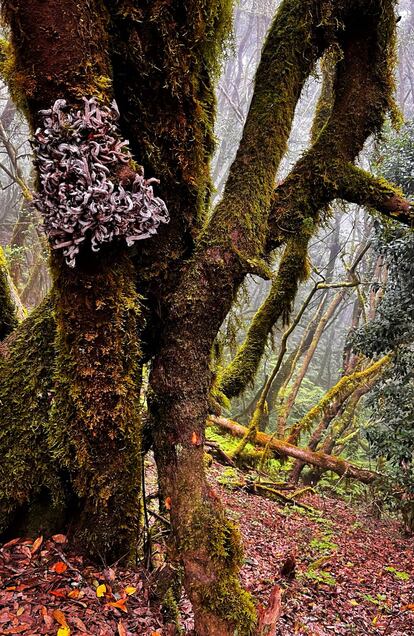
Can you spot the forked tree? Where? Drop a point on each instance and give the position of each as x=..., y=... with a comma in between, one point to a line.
x=71, y=434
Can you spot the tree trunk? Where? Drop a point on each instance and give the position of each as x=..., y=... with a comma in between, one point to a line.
x=8, y=318
x=92, y=434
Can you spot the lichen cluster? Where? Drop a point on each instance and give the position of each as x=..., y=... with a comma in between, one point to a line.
x=87, y=190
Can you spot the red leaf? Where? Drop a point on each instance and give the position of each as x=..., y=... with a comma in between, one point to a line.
x=61, y=592
x=59, y=567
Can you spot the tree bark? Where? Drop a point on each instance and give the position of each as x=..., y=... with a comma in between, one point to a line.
x=8, y=317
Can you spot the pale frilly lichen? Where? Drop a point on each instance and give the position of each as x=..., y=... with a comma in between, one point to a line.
x=88, y=191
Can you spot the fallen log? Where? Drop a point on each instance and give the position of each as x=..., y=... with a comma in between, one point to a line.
x=327, y=462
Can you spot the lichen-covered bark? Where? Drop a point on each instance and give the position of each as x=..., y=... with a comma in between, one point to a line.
x=8, y=317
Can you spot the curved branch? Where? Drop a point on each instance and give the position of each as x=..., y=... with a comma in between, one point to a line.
x=293, y=268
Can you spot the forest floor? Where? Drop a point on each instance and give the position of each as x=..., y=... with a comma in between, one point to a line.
x=354, y=575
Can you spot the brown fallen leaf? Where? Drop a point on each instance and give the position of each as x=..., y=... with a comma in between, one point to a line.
x=59, y=538
x=17, y=629
x=36, y=545
x=59, y=617
x=121, y=604
x=79, y=624
x=121, y=629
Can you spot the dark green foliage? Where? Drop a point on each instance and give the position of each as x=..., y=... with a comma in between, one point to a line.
x=391, y=433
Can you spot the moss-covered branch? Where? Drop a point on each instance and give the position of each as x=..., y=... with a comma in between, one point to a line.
x=368, y=54
x=344, y=388
x=359, y=186
x=292, y=270
x=294, y=42
x=341, y=423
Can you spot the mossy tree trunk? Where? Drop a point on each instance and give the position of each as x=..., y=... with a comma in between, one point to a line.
x=8, y=317
x=89, y=421
x=190, y=274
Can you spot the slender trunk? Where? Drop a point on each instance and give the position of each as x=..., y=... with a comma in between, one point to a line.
x=332, y=412
x=8, y=317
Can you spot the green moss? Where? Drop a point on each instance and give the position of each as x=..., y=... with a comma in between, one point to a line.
x=230, y=602
x=170, y=611
x=94, y=430
x=223, y=595
x=26, y=469
x=8, y=318
x=27, y=66
x=240, y=219
x=345, y=386
x=168, y=111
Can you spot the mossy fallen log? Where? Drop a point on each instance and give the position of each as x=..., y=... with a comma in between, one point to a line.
x=326, y=462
